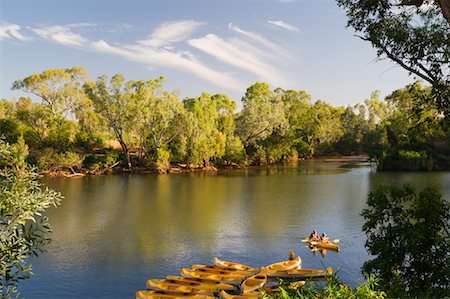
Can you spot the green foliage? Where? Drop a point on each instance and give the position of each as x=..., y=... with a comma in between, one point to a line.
x=408, y=233
x=99, y=162
x=23, y=228
x=334, y=288
x=59, y=89
x=417, y=39
x=116, y=107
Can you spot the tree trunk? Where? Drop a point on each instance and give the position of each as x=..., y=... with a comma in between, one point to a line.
x=445, y=7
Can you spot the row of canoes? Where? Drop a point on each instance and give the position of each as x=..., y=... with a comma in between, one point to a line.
x=227, y=280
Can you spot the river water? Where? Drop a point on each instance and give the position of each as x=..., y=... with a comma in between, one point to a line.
x=112, y=233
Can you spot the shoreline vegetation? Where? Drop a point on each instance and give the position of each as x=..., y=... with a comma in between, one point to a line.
x=105, y=126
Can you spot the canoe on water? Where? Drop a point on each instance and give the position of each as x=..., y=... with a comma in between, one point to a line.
x=286, y=265
x=298, y=273
x=325, y=245
x=251, y=295
x=217, y=269
x=253, y=283
x=149, y=294
x=194, y=288
x=225, y=278
x=233, y=265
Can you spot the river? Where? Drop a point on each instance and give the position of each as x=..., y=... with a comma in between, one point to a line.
x=112, y=233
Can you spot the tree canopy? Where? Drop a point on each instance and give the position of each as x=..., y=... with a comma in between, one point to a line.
x=417, y=38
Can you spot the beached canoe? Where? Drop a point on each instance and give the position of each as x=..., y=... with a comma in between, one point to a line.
x=253, y=283
x=233, y=265
x=286, y=265
x=217, y=269
x=150, y=294
x=202, y=281
x=225, y=278
x=251, y=295
x=298, y=273
x=184, y=287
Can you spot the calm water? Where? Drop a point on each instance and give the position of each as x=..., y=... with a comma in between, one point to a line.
x=112, y=233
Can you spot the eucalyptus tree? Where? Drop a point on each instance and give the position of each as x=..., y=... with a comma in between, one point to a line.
x=415, y=38
x=225, y=107
x=298, y=111
x=60, y=89
x=160, y=114
x=116, y=107
x=262, y=113
x=204, y=140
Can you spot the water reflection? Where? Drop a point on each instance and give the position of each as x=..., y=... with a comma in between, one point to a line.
x=117, y=231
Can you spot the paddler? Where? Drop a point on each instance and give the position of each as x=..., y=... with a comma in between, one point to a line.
x=324, y=238
x=314, y=237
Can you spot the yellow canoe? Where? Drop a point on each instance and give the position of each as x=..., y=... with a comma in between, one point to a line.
x=253, y=283
x=198, y=281
x=149, y=294
x=286, y=265
x=225, y=278
x=217, y=269
x=325, y=245
x=194, y=288
x=233, y=265
x=251, y=295
x=298, y=273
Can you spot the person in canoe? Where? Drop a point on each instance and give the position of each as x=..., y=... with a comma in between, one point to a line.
x=324, y=238
x=314, y=237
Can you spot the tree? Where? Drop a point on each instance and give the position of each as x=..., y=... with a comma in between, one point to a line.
x=116, y=106
x=417, y=39
x=263, y=111
x=204, y=140
x=23, y=228
x=60, y=89
x=408, y=233
x=159, y=113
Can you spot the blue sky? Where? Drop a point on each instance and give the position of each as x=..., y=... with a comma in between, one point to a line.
x=218, y=46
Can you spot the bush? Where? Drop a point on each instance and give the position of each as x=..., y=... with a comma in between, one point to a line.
x=23, y=228
x=334, y=288
x=408, y=233
x=96, y=162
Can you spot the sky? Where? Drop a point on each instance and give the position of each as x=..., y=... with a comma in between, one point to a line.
x=214, y=46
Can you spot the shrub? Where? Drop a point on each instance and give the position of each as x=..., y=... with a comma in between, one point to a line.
x=408, y=233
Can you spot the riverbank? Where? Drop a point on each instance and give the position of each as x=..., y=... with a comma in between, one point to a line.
x=117, y=168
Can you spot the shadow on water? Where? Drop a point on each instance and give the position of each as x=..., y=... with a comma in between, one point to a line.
x=112, y=233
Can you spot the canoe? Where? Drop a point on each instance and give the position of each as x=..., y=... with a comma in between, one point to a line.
x=298, y=273
x=251, y=295
x=149, y=294
x=253, y=283
x=233, y=265
x=194, y=287
x=325, y=245
x=225, y=278
x=217, y=269
x=201, y=281
x=198, y=282
x=286, y=265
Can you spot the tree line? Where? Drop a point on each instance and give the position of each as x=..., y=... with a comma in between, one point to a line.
x=93, y=126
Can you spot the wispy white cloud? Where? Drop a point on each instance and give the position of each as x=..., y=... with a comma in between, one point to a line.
x=171, y=32
x=238, y=54
x=258, y=38
x=284, y=25
x=185, y=61
x=60, y=34
x=8, y=30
